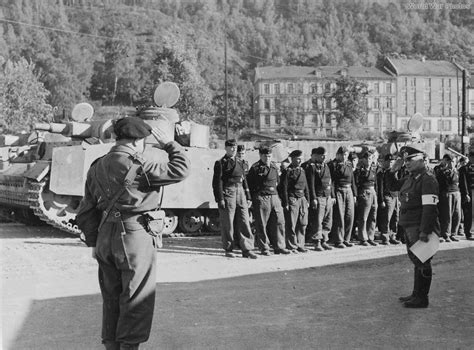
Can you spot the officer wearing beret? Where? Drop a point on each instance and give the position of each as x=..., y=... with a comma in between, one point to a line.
x=231, y=194
x=388, y=203
x=449, y=205
x=263, y=180
x=322, y=198
x=294, y=197
x=121, y=240
x=346, y=192
x=418, y=195
x=365, y=178
x=466, y=186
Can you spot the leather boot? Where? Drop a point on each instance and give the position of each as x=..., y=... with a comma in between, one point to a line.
x=318, y=246
x=129, y=346
x=111, y=345
x=421, y=300
x=416, y=286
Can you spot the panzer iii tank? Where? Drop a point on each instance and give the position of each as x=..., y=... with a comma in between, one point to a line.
x=33, y=183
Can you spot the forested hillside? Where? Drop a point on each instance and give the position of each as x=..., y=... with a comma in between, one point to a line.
x=114, y=52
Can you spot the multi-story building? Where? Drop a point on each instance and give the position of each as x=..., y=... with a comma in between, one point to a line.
x=432, y=88
x=300, y=97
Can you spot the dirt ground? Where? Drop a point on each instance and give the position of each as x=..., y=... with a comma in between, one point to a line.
x=326, y=300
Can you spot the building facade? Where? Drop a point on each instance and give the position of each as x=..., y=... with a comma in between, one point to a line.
x=300, y=98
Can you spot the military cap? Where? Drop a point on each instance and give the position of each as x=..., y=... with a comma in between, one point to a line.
x=231, y=142
x=318, y=150
x=131, y=128
x=265, y=150
x=447, y=157
x=240, y=148
x=368, y=153
x=389, y=157
x=342, y=149
x=410, y=152
x=352, y=156
x=295, y=153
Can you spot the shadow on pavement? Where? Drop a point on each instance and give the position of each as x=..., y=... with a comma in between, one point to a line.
x=352, y=305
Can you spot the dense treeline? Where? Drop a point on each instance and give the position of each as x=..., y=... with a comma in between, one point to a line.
x=115, y=52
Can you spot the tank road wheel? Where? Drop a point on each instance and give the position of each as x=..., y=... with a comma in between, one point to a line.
x=191, y=221
x=171, y=222
x=212, y=221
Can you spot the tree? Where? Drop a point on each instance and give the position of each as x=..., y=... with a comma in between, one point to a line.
x=350, y=96
x=22, y=96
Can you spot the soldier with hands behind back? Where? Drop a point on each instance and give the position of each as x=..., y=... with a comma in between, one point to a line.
x=120, y=189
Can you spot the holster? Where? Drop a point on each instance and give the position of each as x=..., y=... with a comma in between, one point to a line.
x=155, y=223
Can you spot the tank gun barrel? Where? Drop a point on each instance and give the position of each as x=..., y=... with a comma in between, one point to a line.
x=77, y=129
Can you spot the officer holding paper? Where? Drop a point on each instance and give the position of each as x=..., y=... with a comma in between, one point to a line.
x=418, y=217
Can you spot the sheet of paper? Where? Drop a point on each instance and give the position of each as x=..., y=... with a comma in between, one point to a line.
x=425, y=250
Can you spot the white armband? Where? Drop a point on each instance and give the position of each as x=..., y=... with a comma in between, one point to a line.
x=429, y=199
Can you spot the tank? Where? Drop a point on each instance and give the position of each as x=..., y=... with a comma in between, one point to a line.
x=43, y=178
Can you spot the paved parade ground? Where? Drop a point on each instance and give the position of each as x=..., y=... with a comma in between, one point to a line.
x=341, y=299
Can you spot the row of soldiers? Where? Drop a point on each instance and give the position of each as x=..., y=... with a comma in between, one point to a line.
x=318, y=199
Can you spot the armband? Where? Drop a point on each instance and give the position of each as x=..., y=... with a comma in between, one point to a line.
x=429, y=199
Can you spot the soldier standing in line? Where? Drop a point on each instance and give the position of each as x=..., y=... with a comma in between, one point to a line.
x=240, y=155
x=418, y=217
x=389, y=204
x=346, y=192
x=449, y=199
x=354, y=160
x=263, y=180
x=322, y=198
x=311, y=212
x=294, y=197
x=122, y=186
x=466, y=186
x=231, y=194
x=365, y=179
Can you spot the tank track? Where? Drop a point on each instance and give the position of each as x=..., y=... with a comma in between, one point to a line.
x=37, y=204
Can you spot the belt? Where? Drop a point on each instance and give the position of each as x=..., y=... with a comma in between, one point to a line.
x=129, y=217
x=236, y=184
x=344, y=186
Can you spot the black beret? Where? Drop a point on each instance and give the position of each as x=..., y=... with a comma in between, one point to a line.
x=265, y=150
x=342, y=150
x=447, y=157
x=131, y=128
x=295, y=153
x=318, y=150
x=410, y=152
x=231, y=142
x=240, y=148
x=389, y=157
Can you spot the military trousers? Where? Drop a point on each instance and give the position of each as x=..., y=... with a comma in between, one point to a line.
x=269, y=222
x=296, y=219
x=236, y=211
x=468, y=215
x=367, y=214
x=126, y=254
x=449, y=207
x=321, y=219
x=344, y=214
x=388, y=217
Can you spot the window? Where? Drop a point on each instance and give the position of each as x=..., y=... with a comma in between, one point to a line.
x=319, y=88
x=413, y=84
x=389, y=119
x=376, y=120
x=266, y=103
x=426, y=125
x=449, y=84
x=327, y=87
x=427, y=97
x=277, y=88
x=376, y=103
x=266, y=88
x=388, y=88
x=267, y=120
x=291, y=88
x=388, y=102
x=427, y=83
x=300, y=88
x=376, y=88
x=314, y=89
x=277, y=104
x=278, y=119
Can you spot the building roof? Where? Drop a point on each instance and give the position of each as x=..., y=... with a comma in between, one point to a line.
x=423, y=67
x=327, y=72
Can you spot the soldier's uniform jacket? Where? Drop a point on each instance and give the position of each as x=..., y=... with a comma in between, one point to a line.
x=466, y=179
x=343, y=175
x=365, y=177
x=293, y=184
x=107, y=173
x=319, y=180
x=386, y=187
x=418, y=202
x=263, y=179
x=448, y=179
x=228, y=171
